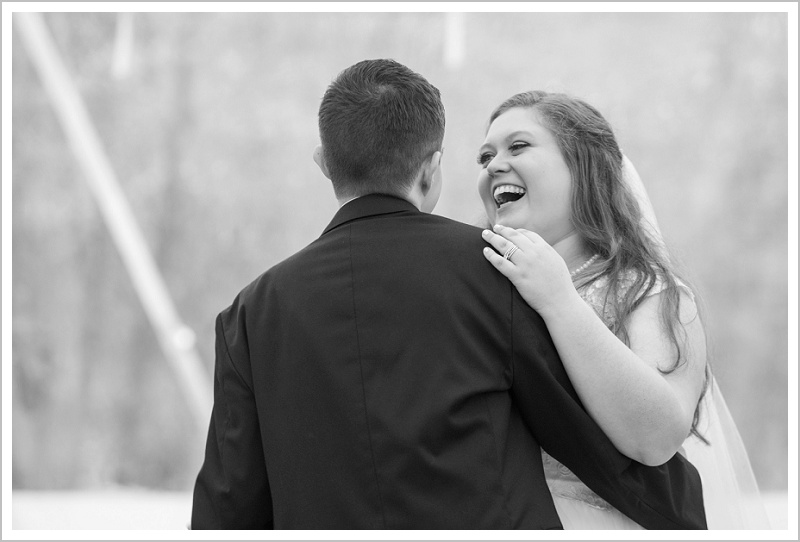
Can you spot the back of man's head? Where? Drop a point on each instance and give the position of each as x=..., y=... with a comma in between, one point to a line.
x=378, y=122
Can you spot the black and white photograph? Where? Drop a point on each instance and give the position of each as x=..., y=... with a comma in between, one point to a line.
x=367, y=270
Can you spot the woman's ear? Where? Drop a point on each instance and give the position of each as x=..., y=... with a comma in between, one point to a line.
x=319, y=158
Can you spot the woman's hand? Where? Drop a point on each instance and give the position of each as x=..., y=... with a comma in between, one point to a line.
x=537, y=271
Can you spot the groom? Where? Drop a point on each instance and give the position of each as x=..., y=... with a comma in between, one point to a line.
x=386, y=376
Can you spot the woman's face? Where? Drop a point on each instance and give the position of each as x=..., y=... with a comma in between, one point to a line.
x=524, y=181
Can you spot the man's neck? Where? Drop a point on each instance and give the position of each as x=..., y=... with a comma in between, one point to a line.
x=345, y=201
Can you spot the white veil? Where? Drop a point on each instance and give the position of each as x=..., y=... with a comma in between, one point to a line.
x=730, y=491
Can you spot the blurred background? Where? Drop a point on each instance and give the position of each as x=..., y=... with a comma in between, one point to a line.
x=208, y=121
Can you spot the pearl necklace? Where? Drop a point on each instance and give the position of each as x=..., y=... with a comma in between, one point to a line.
x=586, y=264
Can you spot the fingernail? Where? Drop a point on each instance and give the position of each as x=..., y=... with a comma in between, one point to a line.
x=486, y=233
x=497, y=227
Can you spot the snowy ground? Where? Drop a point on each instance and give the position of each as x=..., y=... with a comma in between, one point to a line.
x=141, y=509
x=113, y=509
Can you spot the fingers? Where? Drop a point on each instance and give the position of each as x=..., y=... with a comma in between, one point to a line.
x=509, y=233
x=532, y=236
x=501, y=264
x=518, y=236
x=500, y=243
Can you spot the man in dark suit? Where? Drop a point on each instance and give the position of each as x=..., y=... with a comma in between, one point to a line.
x=387, y=376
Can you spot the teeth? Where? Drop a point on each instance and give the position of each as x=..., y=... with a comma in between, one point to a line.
x=507, y=193
x=508, y=189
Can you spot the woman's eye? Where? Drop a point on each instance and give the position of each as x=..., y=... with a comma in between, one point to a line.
x=485, y=158
x=518, y=145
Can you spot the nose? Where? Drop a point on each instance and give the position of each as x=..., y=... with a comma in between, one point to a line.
x=496, y=165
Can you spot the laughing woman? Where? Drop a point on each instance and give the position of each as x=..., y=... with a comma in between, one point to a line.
x=581, y=245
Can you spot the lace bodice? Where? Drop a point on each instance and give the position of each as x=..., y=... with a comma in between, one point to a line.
x=594, y=294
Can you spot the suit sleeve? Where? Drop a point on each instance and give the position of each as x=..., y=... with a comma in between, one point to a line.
x=664, y=497
x=232, y=488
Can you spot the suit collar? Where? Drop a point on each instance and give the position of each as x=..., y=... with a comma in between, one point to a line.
x=369, y=205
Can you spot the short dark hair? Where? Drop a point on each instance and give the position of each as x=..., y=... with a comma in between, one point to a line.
x=378, y=122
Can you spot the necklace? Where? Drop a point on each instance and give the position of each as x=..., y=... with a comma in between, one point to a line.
x=586, y=264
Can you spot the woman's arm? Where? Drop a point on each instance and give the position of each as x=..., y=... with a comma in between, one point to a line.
x=646, y=414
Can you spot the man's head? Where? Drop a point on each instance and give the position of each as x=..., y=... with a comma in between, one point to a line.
x=381, y=127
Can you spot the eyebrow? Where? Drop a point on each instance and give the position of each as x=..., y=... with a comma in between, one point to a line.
x=510, y=136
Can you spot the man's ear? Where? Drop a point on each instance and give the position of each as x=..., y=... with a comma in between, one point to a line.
x=319, y=158
x=430, y=173
x=431, y=182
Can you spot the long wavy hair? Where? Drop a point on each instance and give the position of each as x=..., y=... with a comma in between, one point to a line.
x=607, y=215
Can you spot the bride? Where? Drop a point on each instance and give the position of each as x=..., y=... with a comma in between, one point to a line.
x=583, y=248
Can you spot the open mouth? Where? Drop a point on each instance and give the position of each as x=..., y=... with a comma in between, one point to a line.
x=507, y=193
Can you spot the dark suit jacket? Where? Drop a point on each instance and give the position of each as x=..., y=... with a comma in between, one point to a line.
x=387, y=376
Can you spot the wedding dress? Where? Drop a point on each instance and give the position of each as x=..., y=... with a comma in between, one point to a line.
x=730, y=492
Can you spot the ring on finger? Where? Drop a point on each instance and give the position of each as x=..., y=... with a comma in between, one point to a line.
x=510, y=252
